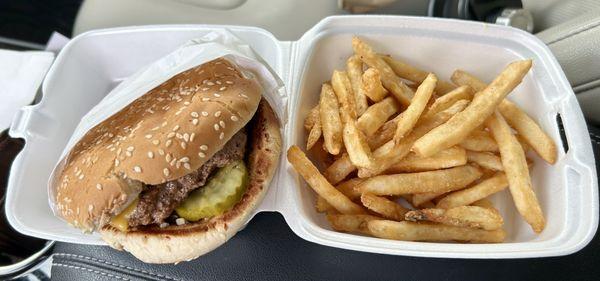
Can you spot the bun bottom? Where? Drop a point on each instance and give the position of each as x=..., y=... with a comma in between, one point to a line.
x=176, y=243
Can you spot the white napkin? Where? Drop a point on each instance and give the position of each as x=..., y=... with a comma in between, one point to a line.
x=21, y=74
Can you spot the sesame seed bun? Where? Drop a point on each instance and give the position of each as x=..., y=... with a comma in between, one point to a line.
x=173, y=244
x=167, y=133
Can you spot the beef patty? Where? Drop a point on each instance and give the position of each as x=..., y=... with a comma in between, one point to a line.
x=157, y=202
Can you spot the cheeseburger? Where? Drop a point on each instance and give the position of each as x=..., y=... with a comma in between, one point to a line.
x=178, y=171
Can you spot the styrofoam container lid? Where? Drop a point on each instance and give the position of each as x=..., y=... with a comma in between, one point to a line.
x=95, y=62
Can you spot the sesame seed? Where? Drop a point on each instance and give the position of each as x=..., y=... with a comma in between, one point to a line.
x=175, y=128
x=183, y=145
x=229, y=82
x=130, y=148
x=156, y=142
x=204, y=147
x=218, y=113
x=116, y=162
x=205, y=99
x=168, y=157
x=81, y=176
x=222, y=88
x=243, y=95
x=90, y=208
x=210, y=83
x=192, y=136
x=234, y=118
x=222, y=123
x=150, y=154
x=195, y=121
x=205, y=89
x=148, y=136
x=179, y=136
x=184, y=159
x=170, y=135
x=166, y=172
x=186, y=137
x=186, y=103
x=128, y=153
x=173, y=162
x=216, y=126
x=218, y=82
x=217, y=95
x=98, y=186
x=194, y=114
x=137, y=169
x=204, y=113
x=221, y=136
x=161, y=152
x=201, y=154
x=168, y=143
x=187, y=166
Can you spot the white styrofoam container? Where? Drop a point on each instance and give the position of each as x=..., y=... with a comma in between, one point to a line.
x=94, y=62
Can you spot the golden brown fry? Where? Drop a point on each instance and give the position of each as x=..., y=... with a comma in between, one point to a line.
x=412, y=231
x=372, y=86
x=319, y=184
x=322, y=206
x=517, y=173
x=351, y=223
x=451, y=157
x=390, y=153
x=479, y=191
x=311, y=118
x=383, y=206
x=383, y=134
x=486, y=160
x=376, y=115
x=409, y=117
x=482, y=106
x=340, y=169
x=430, y=181
x=530, y=131
x=343, y=90
x=421, y=198
x=479, y=140
x=354, y=67
x=389, y=79
x=315, y=132
x=356, y=145
x=411, y=73
x=463, y=216
x=351, y=188
x=484, y=203
x=331, y=124
x=445, y=101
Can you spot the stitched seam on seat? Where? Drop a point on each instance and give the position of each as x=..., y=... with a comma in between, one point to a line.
x=90, y=270
x=117, y=265
x=586, y=86
x=595, y=136
x=575, y=32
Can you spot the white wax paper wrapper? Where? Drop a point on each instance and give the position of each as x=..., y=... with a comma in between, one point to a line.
x=216, y=44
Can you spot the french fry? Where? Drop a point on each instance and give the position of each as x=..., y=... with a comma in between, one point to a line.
x=445, y=101
x=486, y=160
x=311, y=118
x=410, y=116
x=384, y=134
x=388, y=78
x=479, y=140
x=319, y=184
x=527, y=128
x=354, y=67
x=484, y=203
x=331, y=124
x=421, y=198
x=451, y=157
x=315, y=132
x=412, y=231
x=356, y=145
x=372, y=86
x=430, y=181
x=376, y=115
x=517, y=172
x=467, y=196
x=482, y=106
x=411, y=73
x=322, y=206
x=351, y=188
x=343, y=90
x=463, y=216
x=390, y=153
x=351, y=223
x=383, y=206
x=340, y=169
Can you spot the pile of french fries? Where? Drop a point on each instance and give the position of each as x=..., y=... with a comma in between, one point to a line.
x=412, y=158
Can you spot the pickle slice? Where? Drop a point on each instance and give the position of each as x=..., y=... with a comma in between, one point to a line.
x=222, y=192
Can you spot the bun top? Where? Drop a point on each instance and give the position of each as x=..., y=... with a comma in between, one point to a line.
x=165, y=134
